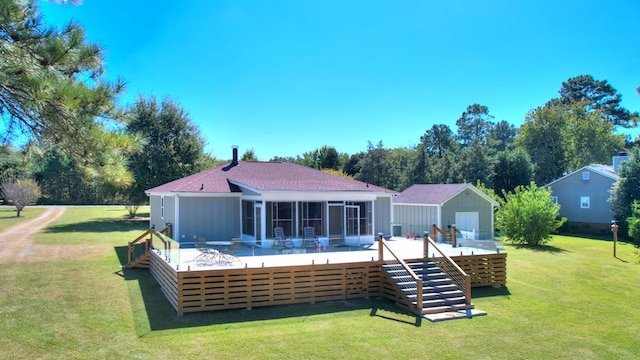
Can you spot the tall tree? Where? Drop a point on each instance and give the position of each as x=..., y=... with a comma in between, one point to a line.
x=249, y=155
x=174, y=146
x=502, y=136
x=374, y=165
x=53, y=90
x=13, y=164
x=474, y=123
x=512, y=168
x=541, y=136
x=627, y=189
x=438, y=139
x=595, y=95
x=329, y=158
x=590, y=138
x=475, y=163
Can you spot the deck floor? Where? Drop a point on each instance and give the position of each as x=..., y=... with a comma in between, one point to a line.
x=255, y=257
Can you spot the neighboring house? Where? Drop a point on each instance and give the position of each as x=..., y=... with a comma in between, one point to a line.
x=419, y=207
x=248, y=199
x=583, y=196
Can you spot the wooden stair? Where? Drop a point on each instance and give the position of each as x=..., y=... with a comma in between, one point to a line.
x=439, y=293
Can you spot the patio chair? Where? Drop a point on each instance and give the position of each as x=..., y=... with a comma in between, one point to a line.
x=229, y=255
x=309, y=237
x=279, y=239
x=206, y=254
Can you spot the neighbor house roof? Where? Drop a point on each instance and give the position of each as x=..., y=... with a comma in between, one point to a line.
x=604, y=170
x=265, y=176
x=435, y=194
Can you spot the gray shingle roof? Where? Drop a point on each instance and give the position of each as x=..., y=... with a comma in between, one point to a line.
x=431, y=194
x=265, y=176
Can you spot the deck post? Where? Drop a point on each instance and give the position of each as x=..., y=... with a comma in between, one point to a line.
x=425, y=243
x=453, y=235
x=380, y=247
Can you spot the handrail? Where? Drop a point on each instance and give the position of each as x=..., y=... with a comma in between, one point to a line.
x=147, y=241
x=455, y=272
x=452, y=236
x=382, y=243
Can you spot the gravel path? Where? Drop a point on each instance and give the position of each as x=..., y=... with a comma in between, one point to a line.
x=16, y=243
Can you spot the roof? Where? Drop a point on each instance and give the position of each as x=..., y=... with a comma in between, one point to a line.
x=604, y=170
x=265, y=176
x=435, y=194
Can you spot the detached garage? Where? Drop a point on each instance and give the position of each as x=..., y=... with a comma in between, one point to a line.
x=417, y=208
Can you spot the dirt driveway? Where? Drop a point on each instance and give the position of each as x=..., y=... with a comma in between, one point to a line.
x=16, y=243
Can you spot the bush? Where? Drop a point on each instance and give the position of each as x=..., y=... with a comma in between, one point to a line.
x=528, y=215
x=634, y=221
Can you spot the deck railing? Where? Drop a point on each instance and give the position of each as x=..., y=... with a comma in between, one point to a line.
x=382, y=244
x=449, y=267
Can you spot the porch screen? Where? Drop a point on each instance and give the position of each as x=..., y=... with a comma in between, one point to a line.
x=247, y=218
x=280, y=214
x=311, y=214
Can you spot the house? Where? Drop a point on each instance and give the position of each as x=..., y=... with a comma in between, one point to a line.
x=583, y=196
x=247, y=200
x=420, y=206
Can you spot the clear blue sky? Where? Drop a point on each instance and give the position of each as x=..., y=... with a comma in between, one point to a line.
x=287, y=77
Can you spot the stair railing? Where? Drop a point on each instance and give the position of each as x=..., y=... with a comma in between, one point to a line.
x=148, y=244
x=382, y=244
x=449, y=267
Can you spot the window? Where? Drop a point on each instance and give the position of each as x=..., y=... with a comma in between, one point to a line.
x=162, y=207
x=585, y=202
x=586, y=175
x=554, y=199
x=247, y=218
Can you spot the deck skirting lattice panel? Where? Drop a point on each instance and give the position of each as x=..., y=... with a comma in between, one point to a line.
x=246, y=288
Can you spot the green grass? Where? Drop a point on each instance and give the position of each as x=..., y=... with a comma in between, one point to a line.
x=569, y=300
x=8, y=215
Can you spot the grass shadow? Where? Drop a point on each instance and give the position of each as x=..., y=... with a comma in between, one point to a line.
x=103, y=225
x=540, y=248
x=162, y=316
x=490, y=291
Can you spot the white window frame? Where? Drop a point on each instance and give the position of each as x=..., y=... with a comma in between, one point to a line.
x=554, y=199
x=162, y=207
x=586, y=175
x=585, y=202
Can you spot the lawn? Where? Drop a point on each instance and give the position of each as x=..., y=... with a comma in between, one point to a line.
x=569, y=300
x=8, y=215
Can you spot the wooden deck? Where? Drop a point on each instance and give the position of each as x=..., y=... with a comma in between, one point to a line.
x=304, y=277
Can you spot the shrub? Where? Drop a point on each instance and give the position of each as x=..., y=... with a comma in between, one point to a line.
x=528, y=215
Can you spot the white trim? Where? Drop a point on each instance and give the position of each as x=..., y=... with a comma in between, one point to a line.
x=176, y=225
x=588, y=167
x=588, y=202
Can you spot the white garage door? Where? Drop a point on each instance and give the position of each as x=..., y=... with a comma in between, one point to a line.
x=467, y=222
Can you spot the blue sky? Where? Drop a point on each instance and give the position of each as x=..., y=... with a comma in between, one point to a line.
x=287, y=77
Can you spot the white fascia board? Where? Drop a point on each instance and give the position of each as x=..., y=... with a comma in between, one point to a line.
x=413, y=204
x=318, y=196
